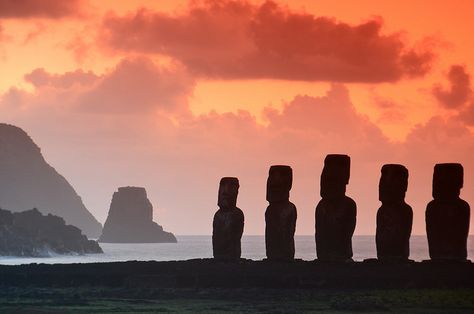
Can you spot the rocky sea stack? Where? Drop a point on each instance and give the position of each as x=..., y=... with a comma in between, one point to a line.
x=30, y=234
x=28, y=181
x=130, y=219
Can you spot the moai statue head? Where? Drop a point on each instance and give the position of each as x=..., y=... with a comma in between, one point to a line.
x=280, y=179
x=228, y=190
x=447, y=181
x=393, y=183
x=335, y=175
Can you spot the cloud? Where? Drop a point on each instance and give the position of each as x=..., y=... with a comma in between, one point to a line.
x=13, y=99
x=180, y=159
x=181, y=163
x=39, y=29
x=459, y=89
x=40, y=78
x=192, y=157
x=427, y=139
x=38, y=8
x=80, y=48
x=466, y=115
x=239, y=40
x=389, y=111
x=134, y=85
x=139, y=86
x=3, y=38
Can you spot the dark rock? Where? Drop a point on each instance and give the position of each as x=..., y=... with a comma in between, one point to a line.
x=30, y=234
x=394, y=217
x=336, y=213
x=280, y=216
x=28, y=181
x=228, y=223
x=130, y=219
x=447, y=216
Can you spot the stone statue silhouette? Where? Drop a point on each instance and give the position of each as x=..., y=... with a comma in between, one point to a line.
x=447, y=215
x=335, y=213
x=394, y=217
x=228, y=223
x=280, y=216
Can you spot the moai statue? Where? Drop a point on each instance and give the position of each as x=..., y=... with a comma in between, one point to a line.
x=228, y=224
x=335, y=213
x=447, y=216
x=394, y=217
x=280, y=216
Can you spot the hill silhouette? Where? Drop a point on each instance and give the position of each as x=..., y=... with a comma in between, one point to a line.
x=28, y=181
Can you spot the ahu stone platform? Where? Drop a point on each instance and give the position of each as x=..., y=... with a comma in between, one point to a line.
x=208, y=273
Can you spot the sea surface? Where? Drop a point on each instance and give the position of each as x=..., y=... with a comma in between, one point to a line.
x=189, y=247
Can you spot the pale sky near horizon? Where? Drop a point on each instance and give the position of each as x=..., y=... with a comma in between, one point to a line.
x=173, y=95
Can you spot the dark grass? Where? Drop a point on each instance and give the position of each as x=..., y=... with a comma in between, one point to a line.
x=206, y=286
x=255, y=300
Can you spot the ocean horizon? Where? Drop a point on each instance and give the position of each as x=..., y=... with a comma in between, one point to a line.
x=200, y=246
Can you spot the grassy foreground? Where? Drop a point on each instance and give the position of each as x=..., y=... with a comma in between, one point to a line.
x=255, y=300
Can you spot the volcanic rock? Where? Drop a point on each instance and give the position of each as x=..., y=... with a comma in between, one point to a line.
x=228, y=222
x=335, y=214
x=130, y=219
x=447, y=216
x=30, y=234
x=394, y=217
x=280, y=215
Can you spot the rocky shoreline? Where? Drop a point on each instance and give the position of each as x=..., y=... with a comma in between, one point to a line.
x=32, y=234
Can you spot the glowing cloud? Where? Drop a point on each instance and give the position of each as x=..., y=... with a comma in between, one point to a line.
x=459, y=90
x=38, y=8
x=238, y=40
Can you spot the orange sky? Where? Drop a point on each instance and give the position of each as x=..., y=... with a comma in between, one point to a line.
x=189, y=78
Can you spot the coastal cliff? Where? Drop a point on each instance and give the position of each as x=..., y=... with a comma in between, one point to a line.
x=28, y=181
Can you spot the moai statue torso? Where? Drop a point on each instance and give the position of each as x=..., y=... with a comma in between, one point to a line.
x=394, y=217
x=335, y=213
x=280, y=216
x=228, y=224
x=447, y=216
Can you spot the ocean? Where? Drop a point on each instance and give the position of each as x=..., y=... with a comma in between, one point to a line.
x=190, y=247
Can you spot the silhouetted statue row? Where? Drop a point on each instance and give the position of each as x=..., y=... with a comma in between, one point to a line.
x=447, y=215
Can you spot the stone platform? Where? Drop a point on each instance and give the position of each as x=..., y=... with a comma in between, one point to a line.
x=207, y=273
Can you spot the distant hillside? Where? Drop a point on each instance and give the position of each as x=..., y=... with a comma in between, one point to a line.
x=28, y=181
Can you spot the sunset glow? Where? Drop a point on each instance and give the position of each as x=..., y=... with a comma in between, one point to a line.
x=174, y=95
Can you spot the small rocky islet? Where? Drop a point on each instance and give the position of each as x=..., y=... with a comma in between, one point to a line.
x=130, y=219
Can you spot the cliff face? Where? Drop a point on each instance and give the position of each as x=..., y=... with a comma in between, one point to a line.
x=29, y=233
x=27, y=181
x=130, y=219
